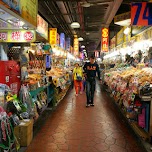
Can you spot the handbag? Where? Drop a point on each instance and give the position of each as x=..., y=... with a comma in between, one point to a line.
x=78, y=78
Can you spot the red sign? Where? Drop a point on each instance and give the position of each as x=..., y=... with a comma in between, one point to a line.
x=141, y=13
x=16, y=35
x=3, y=36
x=28, y=36
x=105, y=40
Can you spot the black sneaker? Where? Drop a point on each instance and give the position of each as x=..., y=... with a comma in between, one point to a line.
x=92, y=104
x=87, y=105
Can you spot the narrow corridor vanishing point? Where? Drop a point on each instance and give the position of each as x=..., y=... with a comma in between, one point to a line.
x=74, y=128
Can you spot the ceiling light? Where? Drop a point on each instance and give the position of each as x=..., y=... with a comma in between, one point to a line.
x=82, y=46
x=86, y=4
x=75, y=25
x=80, y=39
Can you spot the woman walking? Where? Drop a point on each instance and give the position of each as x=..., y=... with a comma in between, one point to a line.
x=78, y=81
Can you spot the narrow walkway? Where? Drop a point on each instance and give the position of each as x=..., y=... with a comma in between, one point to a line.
x=75, y=128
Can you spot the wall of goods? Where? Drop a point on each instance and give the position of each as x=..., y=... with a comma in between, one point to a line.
x=33, y=75
x=129, y=79
x=28, y=88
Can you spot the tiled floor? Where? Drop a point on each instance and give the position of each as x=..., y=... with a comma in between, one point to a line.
x=75, y=128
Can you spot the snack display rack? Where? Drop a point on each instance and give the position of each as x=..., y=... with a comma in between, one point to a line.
x=131, y=89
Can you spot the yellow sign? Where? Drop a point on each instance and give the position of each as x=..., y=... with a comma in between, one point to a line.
x=120, y=36
x=113, y=42
x=17, y=36
x=53, y=36
x=29, y=10
x=76, y=46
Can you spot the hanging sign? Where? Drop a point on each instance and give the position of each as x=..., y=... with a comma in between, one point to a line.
x=76, y=46
x=62, y=40
x=58, y=39
x=17, y=36
x=113, y=42
x=13, y=4
x=48, y=61
x=141, y=13
x=120, y=36
x=52, y=36
x=137, y=29
x=29, y=11
x=68, y=42
x=96, y=54
x=42, y=27
x=105, y=40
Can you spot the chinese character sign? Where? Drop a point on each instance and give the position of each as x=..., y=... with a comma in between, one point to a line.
x=105, y=40
x=17, y=36
x=53, y=36
x=3, y=36
x=141, y=13
x=62, y=40
x=68, y=43
x=76, y=46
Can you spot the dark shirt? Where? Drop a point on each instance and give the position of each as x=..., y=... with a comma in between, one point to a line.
x=91, y=69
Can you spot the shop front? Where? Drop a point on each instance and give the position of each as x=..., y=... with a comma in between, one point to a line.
x=129, y=82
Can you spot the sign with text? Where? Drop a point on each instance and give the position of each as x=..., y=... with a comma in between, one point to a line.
x=141, y=13
x=105, y=40
x=62, y=40
x=96, y=54
x=17, y=36
x=29, y=10
x=76, y=46
x=120, y=36
x=42, y=27
x=58, y=39
x=137, y=29
x=53, y=36
x=14, y=5
x=68, y=44
x=113, y=42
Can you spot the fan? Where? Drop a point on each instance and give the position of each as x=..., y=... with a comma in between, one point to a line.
x=88, y=4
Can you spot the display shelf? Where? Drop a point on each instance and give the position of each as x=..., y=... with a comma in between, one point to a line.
x=137, y=131
x=37, y=91
x=149, y=100
x=140, y=131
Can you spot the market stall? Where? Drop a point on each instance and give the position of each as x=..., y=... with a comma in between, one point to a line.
x=129, y=79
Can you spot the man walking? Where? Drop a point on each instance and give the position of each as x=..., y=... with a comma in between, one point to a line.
x=90, y=70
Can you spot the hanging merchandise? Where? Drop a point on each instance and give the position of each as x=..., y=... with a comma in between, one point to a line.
x=7, y=142
x=26, y=100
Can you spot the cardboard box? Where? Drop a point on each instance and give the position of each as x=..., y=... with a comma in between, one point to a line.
x=24, y=132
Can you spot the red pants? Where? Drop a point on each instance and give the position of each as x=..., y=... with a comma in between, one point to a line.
x=77, y=85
